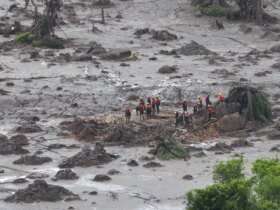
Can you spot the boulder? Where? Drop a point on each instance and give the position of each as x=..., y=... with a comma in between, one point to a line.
x=152, y=164
x=231, y=122
x=101, y=178
x=119, y=54
x=113, y=172
x=132, y=163
x=19, y=140
x=167, y=69
x=88, y=157
x=66, y=174
x=40, y=190
x=32, y=160
x=28, y=128
x=163, y=35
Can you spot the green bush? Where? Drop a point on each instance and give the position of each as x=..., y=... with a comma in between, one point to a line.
x=227, y=171
x=213, y=11
x=53, y=43
x=25, y=38
x=264, y=167
x=236, y=192
x=233, y=195
x=169, y=149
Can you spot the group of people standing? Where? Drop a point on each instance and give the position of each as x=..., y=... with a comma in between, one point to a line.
x=152, y=107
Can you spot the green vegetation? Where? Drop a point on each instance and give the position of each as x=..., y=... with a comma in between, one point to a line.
x=234, y=191
x=29, y=38
x=169, y=149
x=25, y=38
x=261, y=108
x=227, y=171
x=213, y=10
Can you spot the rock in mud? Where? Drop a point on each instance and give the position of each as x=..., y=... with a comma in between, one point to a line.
x=275, y=48
x=37, y=175
x=66, y=174
x=8, y=148
x=93, y=193
x=88, y=157
x=20, y=181
x=163, y=35
x=231, y=122
x=188, y=177
x=32, y=160
x=194, y=48
x=56, y=146
x=116, y=55
x=275, y=148
x=95, y=49
x=274, y=135
x=241, y=143
x=152, y=164
x=19, y=140
x=101, y=178
x=132, y=163
x=103, y=3
x=167, y=69
x=29, y=128
x=276, y=66
x=40, y=190
x=113, y=172
x=199, y=154
x=221, y=147
x=142, y=31
x=245, y=29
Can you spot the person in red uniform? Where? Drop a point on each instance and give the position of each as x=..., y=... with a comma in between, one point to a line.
x=158, y=105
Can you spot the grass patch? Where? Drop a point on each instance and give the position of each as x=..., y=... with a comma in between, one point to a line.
x=213, y=11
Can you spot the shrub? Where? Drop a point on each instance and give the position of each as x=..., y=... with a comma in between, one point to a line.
x=25, y=38
x=265, y=167
x=227, y=171
x=213, y=11
x=233, y=195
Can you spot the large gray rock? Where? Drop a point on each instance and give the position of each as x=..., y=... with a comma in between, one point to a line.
x=167, y=69
x=231, y=122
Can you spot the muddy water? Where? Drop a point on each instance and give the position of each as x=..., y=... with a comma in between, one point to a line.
x=135, y=188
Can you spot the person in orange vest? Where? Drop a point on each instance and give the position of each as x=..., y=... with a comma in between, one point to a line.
x=127, y=115
x=157, y=104
x=149, y=111
x=221, y=98
x=210, y=110
x=141, y=110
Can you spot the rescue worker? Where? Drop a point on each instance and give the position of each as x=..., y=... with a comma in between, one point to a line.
x=221, y=98
x=149, y=111
x=176, y=119
x=157, y=104
x=153, y=106
x=200, y=103
x=195, y=107
x=137, y=110
x=141, y=111
x=185, y=106
x=207, y=101
x=149, y=100
x=127, y=115
x=210, y=110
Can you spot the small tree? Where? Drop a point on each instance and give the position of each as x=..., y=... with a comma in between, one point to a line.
x=227, y=171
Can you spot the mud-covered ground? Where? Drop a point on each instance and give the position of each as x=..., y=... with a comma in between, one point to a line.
x=48, y=88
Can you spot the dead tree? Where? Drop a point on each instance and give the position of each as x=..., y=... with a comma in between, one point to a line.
x=251, y=10
x=44, y=24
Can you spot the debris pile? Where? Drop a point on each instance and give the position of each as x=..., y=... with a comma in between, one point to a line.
x=169, y=149
x=40, y=190
x=194, y=48
x=32, y=160
x=88, y=157
x=85, y=130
